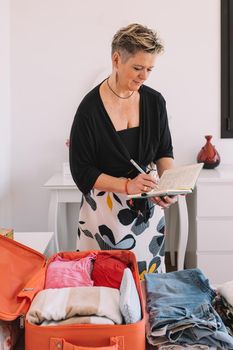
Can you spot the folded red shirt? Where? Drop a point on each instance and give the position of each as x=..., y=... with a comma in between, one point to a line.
x=108, y=271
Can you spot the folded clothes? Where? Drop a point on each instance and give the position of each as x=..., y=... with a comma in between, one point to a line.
x=181, y=347
x=180, y=310
x=130, y=305
x=185, y=347
x=225, y=311
x=63, y=273
x=108, y=271
x=64, y=303
x=9, y=334
x=226, y=290
x=79, y=320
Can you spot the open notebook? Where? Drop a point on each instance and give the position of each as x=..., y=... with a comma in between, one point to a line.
x=180, y=180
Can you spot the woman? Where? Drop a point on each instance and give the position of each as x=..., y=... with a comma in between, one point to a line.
x=122, y=119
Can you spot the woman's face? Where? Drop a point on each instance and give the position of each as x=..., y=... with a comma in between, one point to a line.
x=134, y=71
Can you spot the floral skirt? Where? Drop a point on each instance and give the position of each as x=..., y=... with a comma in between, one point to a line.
x=110, y=221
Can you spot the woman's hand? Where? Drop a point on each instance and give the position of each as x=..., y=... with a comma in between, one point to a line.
x=141, y=184
x=164, y=202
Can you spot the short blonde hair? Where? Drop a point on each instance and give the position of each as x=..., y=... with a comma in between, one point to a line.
x=136, y=37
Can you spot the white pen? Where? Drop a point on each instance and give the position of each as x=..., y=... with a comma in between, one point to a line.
x=137, y=166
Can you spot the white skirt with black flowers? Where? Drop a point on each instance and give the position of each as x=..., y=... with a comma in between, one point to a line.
x=110, y=221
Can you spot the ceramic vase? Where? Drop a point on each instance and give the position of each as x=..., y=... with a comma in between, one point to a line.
x=208, y=155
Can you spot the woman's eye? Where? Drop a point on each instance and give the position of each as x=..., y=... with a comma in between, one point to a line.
x=138, y=69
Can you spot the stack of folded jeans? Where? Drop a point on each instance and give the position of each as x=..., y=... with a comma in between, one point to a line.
x=180, y=310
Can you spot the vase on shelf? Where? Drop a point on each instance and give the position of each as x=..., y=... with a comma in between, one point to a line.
x=208, y=155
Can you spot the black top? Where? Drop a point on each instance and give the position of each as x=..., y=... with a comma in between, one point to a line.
x=130, y=138
x=96, y=147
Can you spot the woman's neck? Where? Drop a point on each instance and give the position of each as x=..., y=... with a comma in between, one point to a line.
x=118, y=90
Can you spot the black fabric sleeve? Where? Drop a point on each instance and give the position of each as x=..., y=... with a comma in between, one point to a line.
x=165, y=148
x=82, y=153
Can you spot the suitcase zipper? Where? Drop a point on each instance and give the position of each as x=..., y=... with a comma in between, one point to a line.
x=28, y=289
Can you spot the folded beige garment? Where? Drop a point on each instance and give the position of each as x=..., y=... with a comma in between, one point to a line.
x=79, y=320
x=64, y=303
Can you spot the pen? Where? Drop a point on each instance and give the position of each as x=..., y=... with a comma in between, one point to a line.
x=137, y=166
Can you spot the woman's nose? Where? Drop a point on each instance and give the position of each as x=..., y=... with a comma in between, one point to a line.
x=143, y=74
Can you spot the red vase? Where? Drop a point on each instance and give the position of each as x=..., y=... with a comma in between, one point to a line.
x=208, y=155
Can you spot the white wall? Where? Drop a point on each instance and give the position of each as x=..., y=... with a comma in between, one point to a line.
x=5, y=119
x=60, y=47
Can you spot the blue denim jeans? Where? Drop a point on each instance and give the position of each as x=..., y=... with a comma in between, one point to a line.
x=180, y=310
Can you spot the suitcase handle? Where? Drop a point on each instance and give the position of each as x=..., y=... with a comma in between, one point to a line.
x=116, y=343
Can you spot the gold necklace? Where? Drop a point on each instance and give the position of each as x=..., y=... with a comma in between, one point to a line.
x=116, y=93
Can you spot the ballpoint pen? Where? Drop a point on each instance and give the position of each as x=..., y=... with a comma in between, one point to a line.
x=140, y=170
x=137, y=166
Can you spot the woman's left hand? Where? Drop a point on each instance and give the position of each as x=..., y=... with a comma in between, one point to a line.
x=164, y=202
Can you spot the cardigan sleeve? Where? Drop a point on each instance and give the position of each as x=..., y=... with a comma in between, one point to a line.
x=82, y=153
x=165, y=148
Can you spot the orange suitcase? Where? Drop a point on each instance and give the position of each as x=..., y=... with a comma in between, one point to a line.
x=23, y=271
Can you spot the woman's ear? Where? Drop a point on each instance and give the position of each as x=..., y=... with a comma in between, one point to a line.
x=115, y=59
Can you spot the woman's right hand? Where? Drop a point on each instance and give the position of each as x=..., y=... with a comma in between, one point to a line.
x=141, y=183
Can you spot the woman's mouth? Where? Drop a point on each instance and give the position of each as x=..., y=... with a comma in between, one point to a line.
x=138, y=82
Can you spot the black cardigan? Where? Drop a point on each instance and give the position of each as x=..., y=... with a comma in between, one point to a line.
x=96, y=147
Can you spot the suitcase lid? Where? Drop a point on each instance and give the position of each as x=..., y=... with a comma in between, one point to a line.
x=22, y=275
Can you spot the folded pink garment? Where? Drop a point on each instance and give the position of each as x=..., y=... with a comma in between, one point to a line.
x=62, y=273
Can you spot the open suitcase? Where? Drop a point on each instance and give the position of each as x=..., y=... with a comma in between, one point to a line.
x=22, y=275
